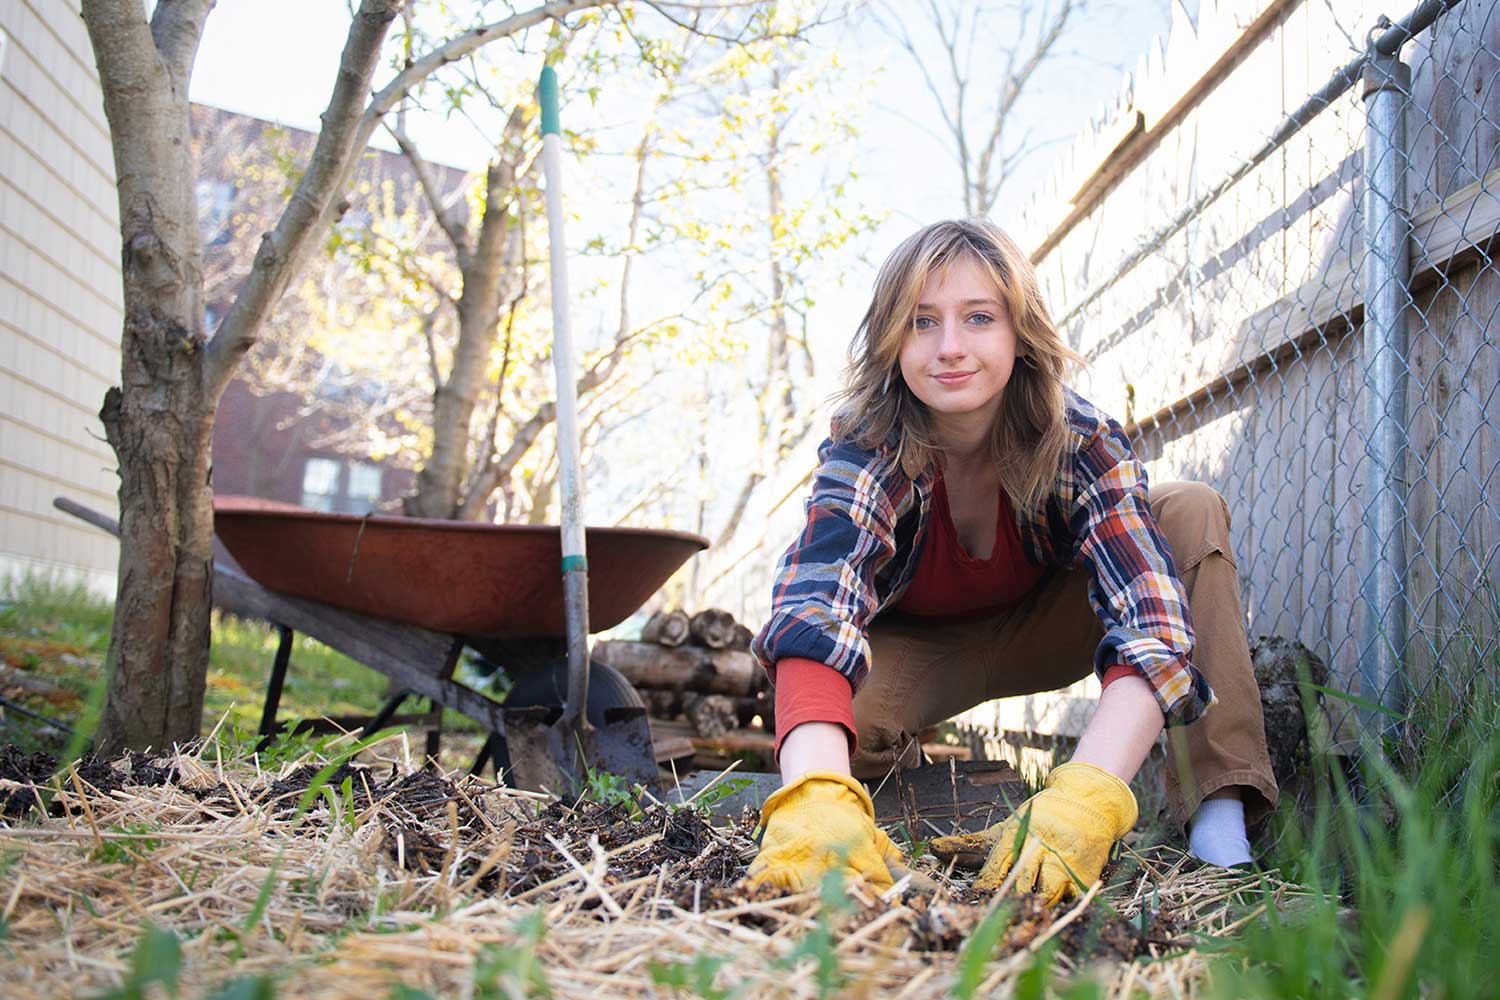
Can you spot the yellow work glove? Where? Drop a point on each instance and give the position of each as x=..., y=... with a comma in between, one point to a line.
x=819, y=822
x=1075, y=820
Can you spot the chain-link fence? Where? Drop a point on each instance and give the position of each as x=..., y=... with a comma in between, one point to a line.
x=1306, y=325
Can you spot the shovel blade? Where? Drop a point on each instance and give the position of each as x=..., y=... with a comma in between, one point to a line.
x=546, y=753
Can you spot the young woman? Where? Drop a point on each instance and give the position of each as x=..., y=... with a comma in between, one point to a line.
x=978, y=530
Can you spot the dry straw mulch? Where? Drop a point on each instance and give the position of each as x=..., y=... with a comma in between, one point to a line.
x=455, y=886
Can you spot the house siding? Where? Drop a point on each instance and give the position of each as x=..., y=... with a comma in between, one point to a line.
x=60, y=295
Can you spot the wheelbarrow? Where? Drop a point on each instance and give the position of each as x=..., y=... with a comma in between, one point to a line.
x=493, y=587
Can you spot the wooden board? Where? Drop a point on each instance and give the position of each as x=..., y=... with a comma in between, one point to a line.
x=923, y=802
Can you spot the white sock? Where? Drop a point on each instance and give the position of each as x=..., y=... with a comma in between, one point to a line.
x=1216, y=833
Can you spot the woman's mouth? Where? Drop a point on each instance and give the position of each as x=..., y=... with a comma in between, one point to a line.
x=953, y=378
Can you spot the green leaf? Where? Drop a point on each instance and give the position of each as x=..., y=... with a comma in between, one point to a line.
x=696, y=977
x=1353, y=699
x=157, y=958
x=1022, y=829
x=246, y=988
x=500, y=971
x=404, y=992
x=980, y=948
x=1032, y=983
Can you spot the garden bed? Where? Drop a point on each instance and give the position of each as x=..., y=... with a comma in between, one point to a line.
x=300, y=872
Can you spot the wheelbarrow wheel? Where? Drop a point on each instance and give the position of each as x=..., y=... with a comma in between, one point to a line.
x=548, y=686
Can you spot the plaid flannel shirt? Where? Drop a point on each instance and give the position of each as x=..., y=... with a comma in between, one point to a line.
x=866, y=520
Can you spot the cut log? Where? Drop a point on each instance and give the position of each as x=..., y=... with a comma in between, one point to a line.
x=667, y=628
x=742, y=638
x=1281, y=665
x=713, y=628
x=680, y=668
x=711, y=714
x=663, y=704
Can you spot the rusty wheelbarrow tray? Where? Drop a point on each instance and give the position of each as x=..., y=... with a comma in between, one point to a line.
x=478, y=581
x=497, y=580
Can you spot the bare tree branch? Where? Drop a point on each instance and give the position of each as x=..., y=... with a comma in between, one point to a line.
x=428, y=322
x=983, y=165
x=177, y=28
x=339, y=143
x=449, y=220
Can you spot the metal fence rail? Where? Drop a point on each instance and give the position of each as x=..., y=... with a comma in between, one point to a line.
x=1334, y=301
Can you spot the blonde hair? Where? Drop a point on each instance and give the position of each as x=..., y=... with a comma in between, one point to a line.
x=1030, y=431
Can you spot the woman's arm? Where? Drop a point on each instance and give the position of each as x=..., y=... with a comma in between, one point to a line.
x=815, y=746
x=1117, y=738
x=1120, y=734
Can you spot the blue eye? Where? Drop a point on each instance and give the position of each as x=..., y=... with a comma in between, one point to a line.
x=920, y=320
x=984, y=319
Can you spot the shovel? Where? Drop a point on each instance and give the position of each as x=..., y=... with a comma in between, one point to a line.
x=562, y=753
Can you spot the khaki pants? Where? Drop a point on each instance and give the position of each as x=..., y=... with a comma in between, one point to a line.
x=922, y=673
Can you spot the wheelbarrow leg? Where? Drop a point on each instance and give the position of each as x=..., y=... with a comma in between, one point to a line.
x=379, y=719
x=278, y=678
x=434, y=730
x=493, y=752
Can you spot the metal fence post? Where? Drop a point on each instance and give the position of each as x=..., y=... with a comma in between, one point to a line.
x=1387, y=300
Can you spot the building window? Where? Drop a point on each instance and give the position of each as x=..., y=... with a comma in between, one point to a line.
x=320, y=484
x=364, y=487
x=341, y=487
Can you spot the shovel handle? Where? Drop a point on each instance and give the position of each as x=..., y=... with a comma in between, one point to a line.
x=574, y=555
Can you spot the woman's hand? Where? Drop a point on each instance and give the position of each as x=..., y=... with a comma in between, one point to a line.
x=1085, y=807
x=1070, y=826
x=821, y=821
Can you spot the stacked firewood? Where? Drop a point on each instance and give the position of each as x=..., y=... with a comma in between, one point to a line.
x=697, y=667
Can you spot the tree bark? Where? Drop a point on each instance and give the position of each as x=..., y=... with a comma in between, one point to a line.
x=160, y=423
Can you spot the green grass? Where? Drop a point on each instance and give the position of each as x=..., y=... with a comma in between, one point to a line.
x=60, y=631
x=318, y=682
x=1402, y=849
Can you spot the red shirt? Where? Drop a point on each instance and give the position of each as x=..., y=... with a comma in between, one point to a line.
x=949, y=585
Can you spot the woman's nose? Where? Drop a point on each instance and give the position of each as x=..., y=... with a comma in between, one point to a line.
x=950, y=345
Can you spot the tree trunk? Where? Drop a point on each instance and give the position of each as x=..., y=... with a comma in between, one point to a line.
x=160, y=424
x=159, y=421
x=160, y=644
x=439, y=491
x=711, y=714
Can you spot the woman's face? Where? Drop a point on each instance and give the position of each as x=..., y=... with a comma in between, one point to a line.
x=961, y=348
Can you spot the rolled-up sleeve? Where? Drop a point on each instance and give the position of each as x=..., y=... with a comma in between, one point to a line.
x=824, y=594
x=1134, y=588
